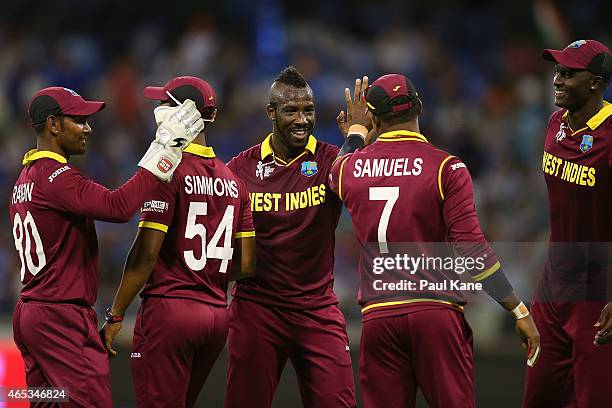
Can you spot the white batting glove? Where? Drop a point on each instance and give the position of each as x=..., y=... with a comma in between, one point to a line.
x=178, y=126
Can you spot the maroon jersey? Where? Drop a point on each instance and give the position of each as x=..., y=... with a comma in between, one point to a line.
x=202, y=210
x=295, y=218
x=52, y=210
x=577, y=167
x=401, y=193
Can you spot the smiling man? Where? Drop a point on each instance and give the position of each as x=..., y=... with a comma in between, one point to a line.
x=52, y=210
x=289, y=310
x=571, y=306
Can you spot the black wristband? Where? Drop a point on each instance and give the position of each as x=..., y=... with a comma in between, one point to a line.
x=110, y=318
x=497, y=285
x=351, y=143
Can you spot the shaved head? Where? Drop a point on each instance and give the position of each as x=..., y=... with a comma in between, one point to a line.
x=281, y=93
x=289, y=85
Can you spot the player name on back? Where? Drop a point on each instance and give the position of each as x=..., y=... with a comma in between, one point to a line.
x=568, y=171
x=22, y=193
x=396, y=167
x=211, y=186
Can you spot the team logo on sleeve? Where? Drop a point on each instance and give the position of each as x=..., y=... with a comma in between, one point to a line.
x=587, y=143
x=154, y=206
x=309, y=168
x=264, y=169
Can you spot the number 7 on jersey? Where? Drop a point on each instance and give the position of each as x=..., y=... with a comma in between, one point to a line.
x=390, y=195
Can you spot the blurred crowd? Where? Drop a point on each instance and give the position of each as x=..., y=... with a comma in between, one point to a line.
x=486, y=91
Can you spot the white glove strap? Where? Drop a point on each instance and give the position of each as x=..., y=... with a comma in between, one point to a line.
x=520, y=311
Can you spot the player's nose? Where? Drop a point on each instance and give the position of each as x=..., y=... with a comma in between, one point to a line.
x=302, y=118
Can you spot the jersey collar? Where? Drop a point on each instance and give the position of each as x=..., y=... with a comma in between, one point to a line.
x=597, y=119
x=35, y=154
x=266, y=146
x=199, y=150
x=401, y=135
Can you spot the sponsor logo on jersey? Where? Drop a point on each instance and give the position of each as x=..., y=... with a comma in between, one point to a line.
x=164, y=165
x=155, y=206
x=309, y=168
x=587, y=143
x=263, y=169
x=457, y=166
x=57, y=173
x=135, y=355
x=561, y=133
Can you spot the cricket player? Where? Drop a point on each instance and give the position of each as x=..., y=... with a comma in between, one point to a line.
x=571, y=304
x=404, y=193
x=195, y=234
x=289, y=309
x=52, y=210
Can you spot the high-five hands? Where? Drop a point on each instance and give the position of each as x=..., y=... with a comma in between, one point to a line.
x=356, y=112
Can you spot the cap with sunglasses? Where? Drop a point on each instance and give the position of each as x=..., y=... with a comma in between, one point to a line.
x=58, y=101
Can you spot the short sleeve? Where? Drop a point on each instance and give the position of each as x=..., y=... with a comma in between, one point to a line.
x=335, y=174
x=245, y=227
x=158, y=208
x=461, y=219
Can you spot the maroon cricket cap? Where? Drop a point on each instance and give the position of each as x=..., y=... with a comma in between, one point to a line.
x=57, y=100
x=390, y=93
x=182, y=88
x=590, y=55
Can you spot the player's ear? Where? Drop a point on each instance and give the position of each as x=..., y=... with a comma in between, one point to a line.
x=597, y=82
x=375, y=121
x=271, y=112
x=53, y=124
